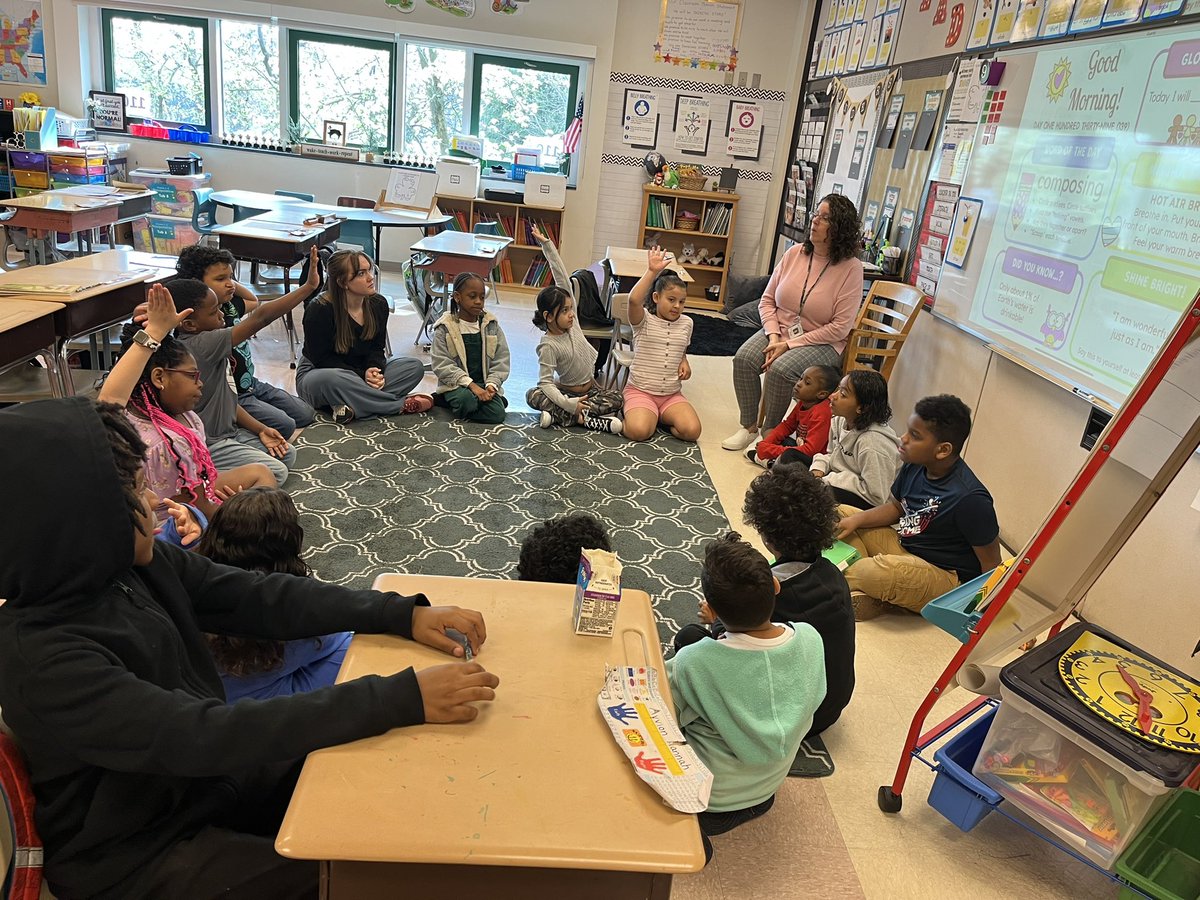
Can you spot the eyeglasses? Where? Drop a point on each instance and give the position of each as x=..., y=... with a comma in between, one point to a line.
x=822, y=217
x=193, y=374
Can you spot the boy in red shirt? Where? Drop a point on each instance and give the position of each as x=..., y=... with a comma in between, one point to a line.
x=805, y=431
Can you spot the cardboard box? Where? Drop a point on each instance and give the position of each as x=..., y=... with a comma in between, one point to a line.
x=458, y=177
x=597, y=593
x=546, y=191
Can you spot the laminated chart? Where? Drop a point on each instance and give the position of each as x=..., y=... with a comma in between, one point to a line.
x=643, y=726
x=1094, y=248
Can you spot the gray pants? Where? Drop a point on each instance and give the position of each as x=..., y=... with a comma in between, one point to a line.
x=781, y=378
x=276, y=408
x=331, y=388
x=245, y=448
x=599, y=402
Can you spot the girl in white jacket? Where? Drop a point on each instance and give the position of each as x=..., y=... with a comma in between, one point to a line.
x=860, y=463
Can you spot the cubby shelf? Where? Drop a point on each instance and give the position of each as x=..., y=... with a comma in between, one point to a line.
x=701, y=204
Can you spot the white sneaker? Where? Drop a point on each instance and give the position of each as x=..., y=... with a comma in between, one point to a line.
x=545, y=421
x=611, y=424
x=740, y=439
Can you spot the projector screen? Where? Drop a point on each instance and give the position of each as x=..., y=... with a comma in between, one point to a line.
x=1085, y=187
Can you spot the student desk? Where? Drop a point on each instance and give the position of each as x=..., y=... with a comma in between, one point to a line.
x=379, y=219
x=450, y=253
x=533, y=799
x=82, y=314
x=26, y=331
x=74, y=211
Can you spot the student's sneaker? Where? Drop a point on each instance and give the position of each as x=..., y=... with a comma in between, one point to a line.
x=343, y=415
x=601, y=423
x=545, y=420
x=752, y=455
x=740, y=439
x=866, y=607
x=416, y=403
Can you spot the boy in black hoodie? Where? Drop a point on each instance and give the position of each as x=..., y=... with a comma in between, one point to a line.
x=148, y=784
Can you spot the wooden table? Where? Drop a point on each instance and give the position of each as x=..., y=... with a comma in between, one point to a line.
x=27, y=331
x=450, y=253
x=80, y=315
x=533, y=799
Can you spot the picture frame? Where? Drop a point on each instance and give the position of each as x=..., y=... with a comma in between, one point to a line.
x=333, y=133
x=107, y=111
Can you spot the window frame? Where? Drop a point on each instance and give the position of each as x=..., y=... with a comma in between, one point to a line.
x=296, y=35
x=204, y=24
x=479, y=60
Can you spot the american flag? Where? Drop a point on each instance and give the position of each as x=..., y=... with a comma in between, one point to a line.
x=574, y=130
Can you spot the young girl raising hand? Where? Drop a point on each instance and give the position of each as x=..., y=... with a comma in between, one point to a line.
x=661, y=334
x=158, y=382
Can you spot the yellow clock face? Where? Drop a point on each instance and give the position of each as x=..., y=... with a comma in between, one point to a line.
x=1090, y=672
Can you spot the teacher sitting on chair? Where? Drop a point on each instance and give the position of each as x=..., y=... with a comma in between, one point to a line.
x=808, y=309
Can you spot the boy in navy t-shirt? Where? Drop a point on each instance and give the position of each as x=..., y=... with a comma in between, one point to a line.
x=947, y=530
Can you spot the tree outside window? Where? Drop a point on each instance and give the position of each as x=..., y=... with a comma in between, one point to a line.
x=163, y=57
x=343, y=80
x=250, y=78
x=434, y=83
x=523, y=104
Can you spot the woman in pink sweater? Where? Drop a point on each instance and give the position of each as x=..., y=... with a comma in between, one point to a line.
x=808, y=309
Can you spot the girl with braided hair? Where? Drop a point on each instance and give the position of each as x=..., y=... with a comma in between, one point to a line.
x=158, y=383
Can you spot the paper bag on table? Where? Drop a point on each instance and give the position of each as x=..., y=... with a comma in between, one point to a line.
x=644, y=728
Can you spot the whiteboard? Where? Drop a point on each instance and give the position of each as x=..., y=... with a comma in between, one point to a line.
x=1088, y=248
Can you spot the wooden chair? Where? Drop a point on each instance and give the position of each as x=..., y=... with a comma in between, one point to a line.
x=886, y=318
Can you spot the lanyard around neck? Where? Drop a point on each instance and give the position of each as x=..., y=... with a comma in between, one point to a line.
x=807, y=290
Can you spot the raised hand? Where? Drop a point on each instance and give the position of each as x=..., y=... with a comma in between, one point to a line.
x=160, y=315
x=447, y=691
x=656, y=260
x=314, y=271
x=538, y=234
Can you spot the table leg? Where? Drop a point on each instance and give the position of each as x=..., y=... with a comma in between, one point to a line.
x=289, y=325
x=54, y=375
x=64, y=371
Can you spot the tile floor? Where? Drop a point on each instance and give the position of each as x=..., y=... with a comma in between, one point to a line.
x=824, y=837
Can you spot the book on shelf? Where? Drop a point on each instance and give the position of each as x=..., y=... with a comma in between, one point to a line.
x=550, y=229
x=538, y=274
x=716, y=219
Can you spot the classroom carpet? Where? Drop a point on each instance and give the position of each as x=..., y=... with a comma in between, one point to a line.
x=712, y=336
x=429, y=495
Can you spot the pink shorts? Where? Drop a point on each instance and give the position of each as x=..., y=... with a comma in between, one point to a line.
x=636, y=398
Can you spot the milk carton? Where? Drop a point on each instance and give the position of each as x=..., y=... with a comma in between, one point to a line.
x=597, y=593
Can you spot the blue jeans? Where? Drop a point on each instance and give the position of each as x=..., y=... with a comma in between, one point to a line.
x=276, y=408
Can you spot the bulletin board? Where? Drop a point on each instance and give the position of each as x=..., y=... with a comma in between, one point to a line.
x=699, y=34
x=850, y=134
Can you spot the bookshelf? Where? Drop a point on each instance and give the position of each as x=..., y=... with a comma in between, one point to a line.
x=525, y=268
x=715, y=215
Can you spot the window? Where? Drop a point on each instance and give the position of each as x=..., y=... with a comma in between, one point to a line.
x=434, y=84
x=522, y=103
x=249, y=78
x=341, y=79
x=160, y=63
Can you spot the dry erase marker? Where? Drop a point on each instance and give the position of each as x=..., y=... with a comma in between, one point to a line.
x=455, y=635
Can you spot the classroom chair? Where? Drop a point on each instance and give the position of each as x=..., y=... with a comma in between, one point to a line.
x=884, y=322
x=620, y=354
x=492, y=228
x=204, y=212
x=361, y=234
x=20, y=848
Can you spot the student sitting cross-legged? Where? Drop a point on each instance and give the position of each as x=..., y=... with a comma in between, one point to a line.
x=746, y=701
x=948, y=531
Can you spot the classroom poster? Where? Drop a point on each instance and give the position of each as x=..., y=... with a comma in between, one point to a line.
x=981, y=27
x=462, y=8
x=887, y=38
x=692, y=121
x=908, y=218
x=700, y=34
x=834, y=149
x=966, y=99
x=860, y=11
x=1121, y=12
x=842, y=50
x=871, y=47
x=1057, y=19
x=1029, y=20
x=869, y=219
x=856, y=47
x=891, y=199
x=744, y=132
x=1006, y=19
x=1161, y=9
x=1087, y=16
x=966, y=218
x=640, y=119
x=930, y=28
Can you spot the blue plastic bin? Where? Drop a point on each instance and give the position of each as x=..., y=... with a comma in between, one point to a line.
x=949, y=611
x=956, y=793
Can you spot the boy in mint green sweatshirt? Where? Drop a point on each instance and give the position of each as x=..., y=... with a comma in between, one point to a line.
x=745, y=701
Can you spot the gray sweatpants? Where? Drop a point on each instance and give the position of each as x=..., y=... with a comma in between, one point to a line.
x=331, y=388
x=781, y=378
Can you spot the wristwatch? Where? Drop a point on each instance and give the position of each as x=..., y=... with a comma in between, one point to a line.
x=143, y=338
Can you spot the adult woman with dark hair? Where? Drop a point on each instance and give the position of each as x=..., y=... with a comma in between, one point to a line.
x=344, y=366
x=808, y=309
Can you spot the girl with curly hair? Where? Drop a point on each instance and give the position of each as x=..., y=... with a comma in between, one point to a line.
x=808, y=309
x=259, y=530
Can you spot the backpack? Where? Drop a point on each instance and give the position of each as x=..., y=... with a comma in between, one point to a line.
x=593, y=309
x=323, y=254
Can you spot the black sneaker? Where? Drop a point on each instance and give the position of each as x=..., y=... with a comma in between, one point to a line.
x=602, y=423
x=343, y=415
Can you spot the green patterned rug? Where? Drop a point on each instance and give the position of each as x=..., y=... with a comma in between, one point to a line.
x=429, y=495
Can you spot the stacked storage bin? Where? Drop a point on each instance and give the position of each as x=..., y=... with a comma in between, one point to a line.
x=1086, y=782
x=168, y=229
x=28, y=171
x=79, y=167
